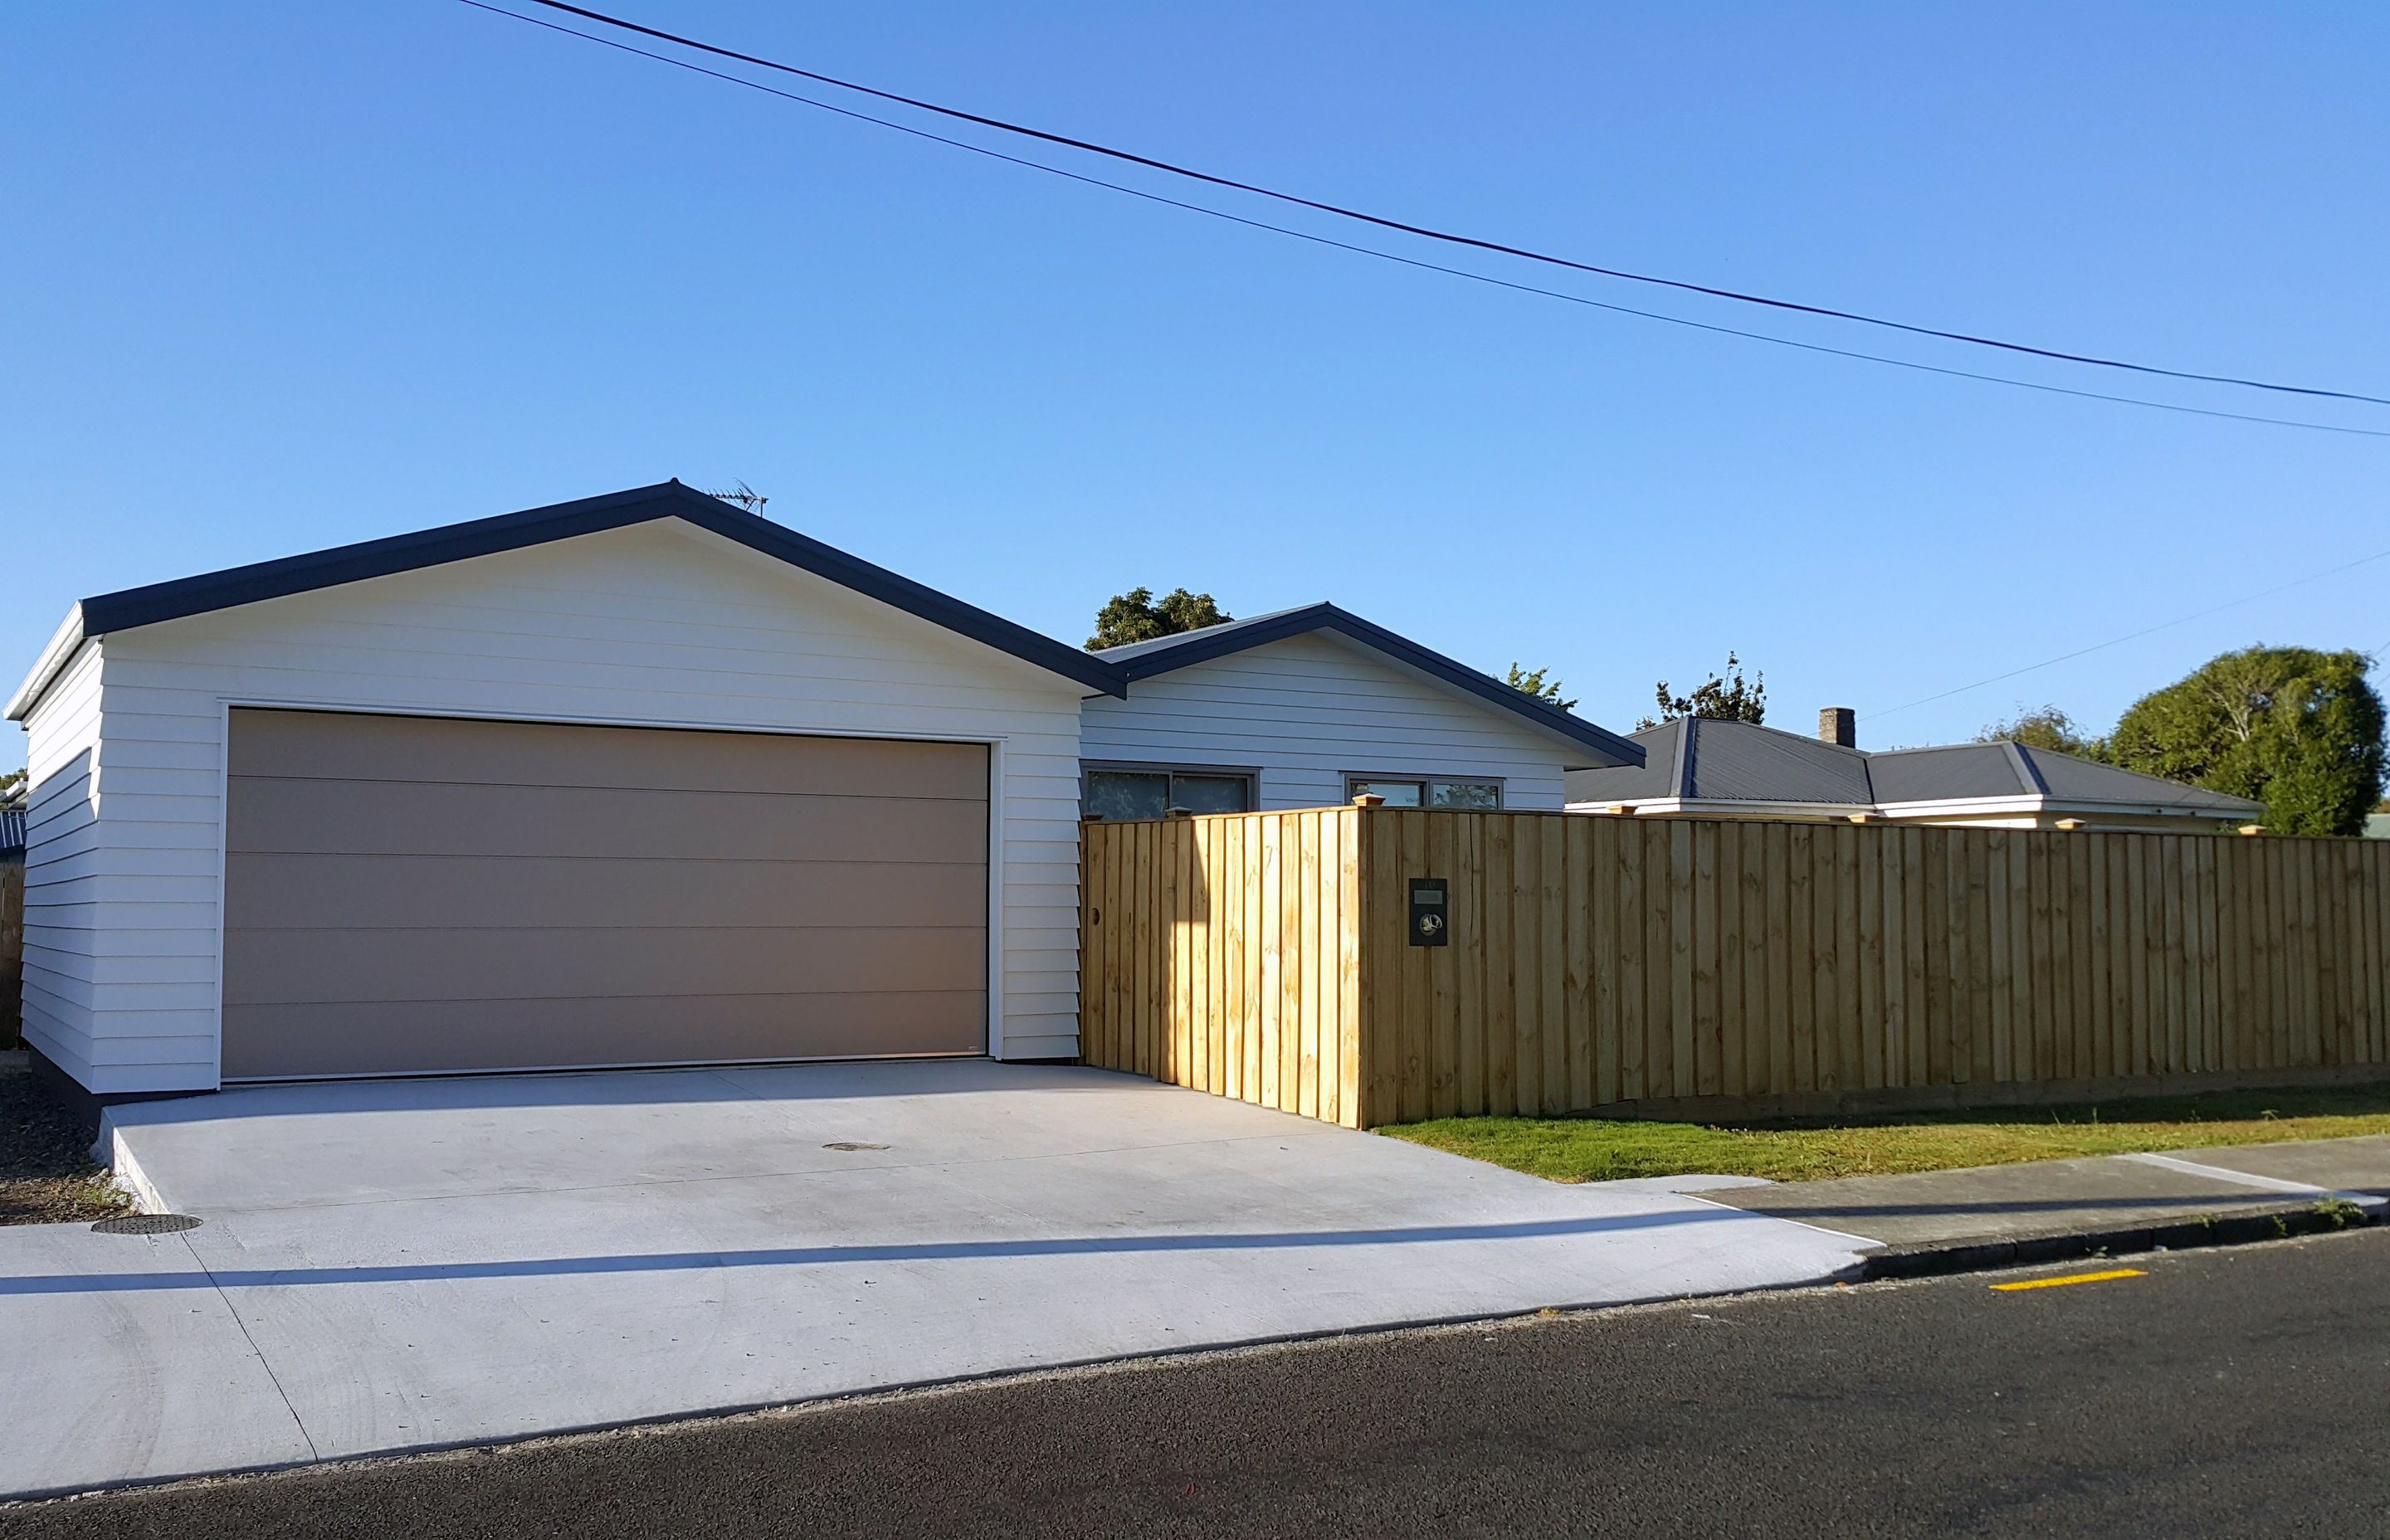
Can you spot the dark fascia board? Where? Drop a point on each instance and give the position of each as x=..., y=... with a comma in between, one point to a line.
x=508, y=532
x=1223, y=640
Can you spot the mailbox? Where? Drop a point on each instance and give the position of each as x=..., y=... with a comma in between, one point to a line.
x=1430, y=920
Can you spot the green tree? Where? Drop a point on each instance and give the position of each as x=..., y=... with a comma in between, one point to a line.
x=2297, y=729
x=12, y=791
x=1138, y=616
x=2044, y=727
x=1532, y=682
x=1726, y=697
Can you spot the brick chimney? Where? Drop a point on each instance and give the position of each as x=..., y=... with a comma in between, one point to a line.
x=1839, y=726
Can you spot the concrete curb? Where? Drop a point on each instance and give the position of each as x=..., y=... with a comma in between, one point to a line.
x=2320, y=1214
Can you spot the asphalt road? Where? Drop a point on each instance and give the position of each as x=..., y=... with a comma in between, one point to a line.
x=2239, y=1392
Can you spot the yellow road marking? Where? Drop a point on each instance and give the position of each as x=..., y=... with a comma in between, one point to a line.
x=2071, y=1278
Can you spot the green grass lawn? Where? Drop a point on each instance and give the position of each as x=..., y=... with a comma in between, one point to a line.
x=1598, y=1149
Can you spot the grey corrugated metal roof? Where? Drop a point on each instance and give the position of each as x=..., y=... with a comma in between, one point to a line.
x=1957, y=772
x=1965, y=771
x=1718, y=761
x=1656, y=776
x=2072, y=779
x=1708, y=760
x=1743, y=759
x=12, y=832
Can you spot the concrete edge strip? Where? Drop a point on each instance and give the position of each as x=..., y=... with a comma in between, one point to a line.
x=2223, y=1173
x=1762, y=1214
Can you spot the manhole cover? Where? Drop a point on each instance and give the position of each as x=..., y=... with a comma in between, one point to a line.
x=846, y=1144
x=146, y=1224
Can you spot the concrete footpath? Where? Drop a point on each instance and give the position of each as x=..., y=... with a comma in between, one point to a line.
x=2047, y=1211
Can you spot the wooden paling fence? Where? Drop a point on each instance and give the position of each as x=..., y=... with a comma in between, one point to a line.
x=1718, y=966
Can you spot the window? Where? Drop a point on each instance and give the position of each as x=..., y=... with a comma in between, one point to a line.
x=1484, y=795
x=1124, y=794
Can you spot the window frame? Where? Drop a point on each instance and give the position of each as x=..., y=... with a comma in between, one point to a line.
x=1251, y=776
x=1355, y=779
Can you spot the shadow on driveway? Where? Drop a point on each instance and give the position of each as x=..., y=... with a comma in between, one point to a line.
x=817, y=1256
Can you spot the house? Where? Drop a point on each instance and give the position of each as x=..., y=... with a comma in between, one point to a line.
x=1696, y=766
x=1310, y=706
x=644, y=779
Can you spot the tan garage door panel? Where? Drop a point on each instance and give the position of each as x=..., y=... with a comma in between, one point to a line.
x=389, y=817
x=412, y=894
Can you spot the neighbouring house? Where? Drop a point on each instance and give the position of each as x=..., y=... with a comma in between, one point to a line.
x=1702, y=767
x=645, y=779
x=2377, y=826
x=1314, y=706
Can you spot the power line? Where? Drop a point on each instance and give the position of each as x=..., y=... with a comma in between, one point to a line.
x=2134, y=637
x=1430, y=233
x=1418, y=263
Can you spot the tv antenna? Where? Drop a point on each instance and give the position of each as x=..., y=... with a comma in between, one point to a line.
x=745, y=496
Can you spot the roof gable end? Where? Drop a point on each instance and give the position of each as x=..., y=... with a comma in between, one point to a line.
x=158, y=602
x=1144, y=659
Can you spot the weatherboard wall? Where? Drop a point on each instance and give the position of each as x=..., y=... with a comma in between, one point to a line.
x=1305, y=711
x=61, y=993
x=658, y=624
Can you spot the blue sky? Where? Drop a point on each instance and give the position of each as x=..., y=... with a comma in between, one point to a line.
x=281, y=276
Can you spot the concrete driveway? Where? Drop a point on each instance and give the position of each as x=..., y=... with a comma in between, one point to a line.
x=396, y=1265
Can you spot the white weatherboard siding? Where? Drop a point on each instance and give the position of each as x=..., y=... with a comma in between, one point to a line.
x=1308, y=711
x=64, y=867
x=657, y=623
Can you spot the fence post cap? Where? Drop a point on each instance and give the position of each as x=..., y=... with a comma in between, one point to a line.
x=1178, y=812
x=1369, y=800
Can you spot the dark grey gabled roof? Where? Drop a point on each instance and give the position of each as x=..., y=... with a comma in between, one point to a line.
x=1696, y=760
x=1108, y=672
x=298, y=575
x=1143, y=660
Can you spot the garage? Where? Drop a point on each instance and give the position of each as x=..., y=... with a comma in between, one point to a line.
x=415, y=895
x=636, y=779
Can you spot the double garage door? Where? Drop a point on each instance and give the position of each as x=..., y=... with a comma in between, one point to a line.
x=408, y=895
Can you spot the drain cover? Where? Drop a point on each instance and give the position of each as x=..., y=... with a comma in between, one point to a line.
x=845, y=1143
x=146, y=1224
